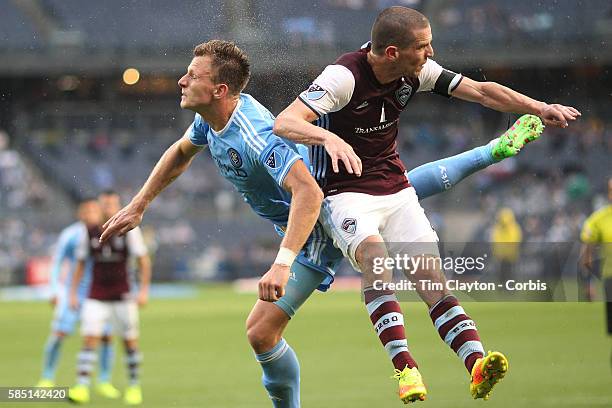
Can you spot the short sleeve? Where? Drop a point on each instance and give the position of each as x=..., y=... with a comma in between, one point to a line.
x=197, y=131
x=590, y=233
x=437, y=79
x=331, y=91
x=82, y=248
x=277, y=158
x=135, y=243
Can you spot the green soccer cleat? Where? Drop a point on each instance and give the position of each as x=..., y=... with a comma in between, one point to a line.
x=107, y=390
x=133, y=395
x=526, y=129
x=44, y=383
x=411, y=387
x=79, y=394
x=487, y=372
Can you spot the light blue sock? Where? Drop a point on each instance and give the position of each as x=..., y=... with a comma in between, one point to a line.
x=281, y=375
x=51, y=356
x=441, y=175
x=107, y=357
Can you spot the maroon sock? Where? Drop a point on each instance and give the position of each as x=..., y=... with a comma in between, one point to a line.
x=457, y=330
x=386, y=316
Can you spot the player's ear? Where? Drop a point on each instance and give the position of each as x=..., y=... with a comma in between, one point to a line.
x=220, y=91
x=391, y=52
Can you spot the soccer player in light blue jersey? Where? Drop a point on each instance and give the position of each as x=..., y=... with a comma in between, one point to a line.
x=274, y=179
x=65, y=318
x=273, y=176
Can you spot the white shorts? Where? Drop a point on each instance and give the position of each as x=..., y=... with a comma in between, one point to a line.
x=349, y=218
x=123, y=314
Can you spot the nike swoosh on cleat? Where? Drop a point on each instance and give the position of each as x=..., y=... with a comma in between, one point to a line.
x=363, y=105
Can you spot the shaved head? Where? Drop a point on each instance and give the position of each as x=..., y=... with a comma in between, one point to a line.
x=395, y=26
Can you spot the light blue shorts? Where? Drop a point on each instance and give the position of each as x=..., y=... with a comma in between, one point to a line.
x=65, y=318
x=314, y=268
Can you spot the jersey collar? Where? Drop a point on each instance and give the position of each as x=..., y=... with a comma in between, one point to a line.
x=229, y=122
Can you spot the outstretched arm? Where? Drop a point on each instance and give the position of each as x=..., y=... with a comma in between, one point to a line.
x=503, y=99
x=172, y=164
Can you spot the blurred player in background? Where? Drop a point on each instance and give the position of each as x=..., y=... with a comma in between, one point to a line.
x=272, y=175
x=597, y=235
x=65, y=317
x=109, y=298
x=351, y=112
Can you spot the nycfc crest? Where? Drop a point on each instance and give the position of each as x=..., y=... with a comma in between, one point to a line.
x=403, y=94
x=234, y=157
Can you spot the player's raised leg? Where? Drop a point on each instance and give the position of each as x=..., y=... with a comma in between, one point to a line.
x=441, y=175
x=265, y=326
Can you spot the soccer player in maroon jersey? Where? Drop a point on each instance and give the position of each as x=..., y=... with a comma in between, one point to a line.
x=109, y=298
x=356, y=103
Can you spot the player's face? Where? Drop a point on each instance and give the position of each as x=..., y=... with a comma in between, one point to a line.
x=197, y=86
x=110, y=204
x=412, y=58
x=90, y=213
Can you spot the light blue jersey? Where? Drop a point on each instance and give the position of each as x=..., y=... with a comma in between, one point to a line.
x=66, y=251
x=256, y=161
x=66, y=318
x=251, y=157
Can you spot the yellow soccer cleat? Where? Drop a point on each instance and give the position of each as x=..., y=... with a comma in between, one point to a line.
x=411, y=387
x=107, y=390
x=133, y=395
x=44, y=383
x=487, y=372
x=79, y=394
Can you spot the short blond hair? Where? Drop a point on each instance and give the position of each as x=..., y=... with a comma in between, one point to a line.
x=230, y=63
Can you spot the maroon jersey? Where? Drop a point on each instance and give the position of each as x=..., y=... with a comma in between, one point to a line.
x=110, y=271
x=352, y=104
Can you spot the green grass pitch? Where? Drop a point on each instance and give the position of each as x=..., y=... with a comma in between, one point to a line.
x=196, y=354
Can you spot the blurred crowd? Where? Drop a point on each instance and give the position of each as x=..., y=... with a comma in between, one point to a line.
x=24, y=201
